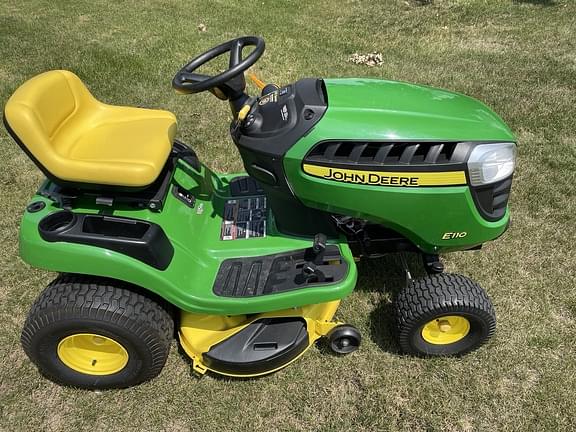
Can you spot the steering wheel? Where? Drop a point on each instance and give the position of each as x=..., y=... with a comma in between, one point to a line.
x=187, y=81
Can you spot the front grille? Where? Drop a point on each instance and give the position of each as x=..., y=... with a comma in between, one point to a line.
x=387, y=153
x=492, y=200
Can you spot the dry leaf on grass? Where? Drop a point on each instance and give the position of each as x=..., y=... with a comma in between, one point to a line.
x=202, y=27
x=371, y=59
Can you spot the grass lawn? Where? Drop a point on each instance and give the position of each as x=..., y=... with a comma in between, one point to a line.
x=517, y=56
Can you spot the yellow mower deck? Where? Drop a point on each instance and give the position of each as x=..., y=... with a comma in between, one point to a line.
x=198, y=333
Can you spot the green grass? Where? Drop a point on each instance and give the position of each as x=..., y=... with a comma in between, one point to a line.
x=517, y=56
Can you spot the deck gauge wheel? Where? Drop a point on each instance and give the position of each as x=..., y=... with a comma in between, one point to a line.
x=344, y=339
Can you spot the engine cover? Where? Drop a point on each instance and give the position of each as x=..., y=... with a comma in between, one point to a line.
x=395, y=154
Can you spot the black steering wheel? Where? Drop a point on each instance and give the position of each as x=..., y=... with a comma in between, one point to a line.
x=187, y=81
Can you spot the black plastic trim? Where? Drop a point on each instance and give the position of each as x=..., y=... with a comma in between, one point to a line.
x=273, y=136
x=244, y=186
x=142, y=240
x=183, y=195
x=393, y=155
x=263, y=175
x=271, y=274
x=262, y=346
x=151, y=197
x=185, y=153
x=35, y=206
x=492, y=200
x=265, y=149
x=376, y=239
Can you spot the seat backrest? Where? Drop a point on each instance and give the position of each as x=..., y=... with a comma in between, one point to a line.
x=39, y=108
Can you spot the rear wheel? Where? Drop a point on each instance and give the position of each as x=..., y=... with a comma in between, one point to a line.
x=97, y=333
x=443, y=314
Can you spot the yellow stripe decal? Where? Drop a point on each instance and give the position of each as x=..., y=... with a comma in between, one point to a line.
x=382, y=178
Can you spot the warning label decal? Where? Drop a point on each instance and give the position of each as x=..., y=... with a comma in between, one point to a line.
x=244, y=218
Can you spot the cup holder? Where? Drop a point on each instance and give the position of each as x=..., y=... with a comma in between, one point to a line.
x=139, y=239
x=57, y=222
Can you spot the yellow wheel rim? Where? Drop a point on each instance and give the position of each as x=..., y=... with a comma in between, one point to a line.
x=92, y=354
x=446, y=330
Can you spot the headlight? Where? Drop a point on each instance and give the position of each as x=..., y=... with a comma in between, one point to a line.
x=489, y=163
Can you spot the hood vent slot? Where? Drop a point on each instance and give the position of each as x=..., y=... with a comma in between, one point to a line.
x=385, y=153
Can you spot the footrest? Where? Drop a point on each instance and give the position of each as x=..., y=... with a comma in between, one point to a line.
x=271, y=274
x=263, y=346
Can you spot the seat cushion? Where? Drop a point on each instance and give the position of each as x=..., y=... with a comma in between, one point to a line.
x=75, y=138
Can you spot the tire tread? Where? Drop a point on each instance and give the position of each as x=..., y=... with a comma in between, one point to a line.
x=437, y=294
x=102, y=299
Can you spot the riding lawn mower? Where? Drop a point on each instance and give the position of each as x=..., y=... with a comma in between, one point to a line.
x=247, y=270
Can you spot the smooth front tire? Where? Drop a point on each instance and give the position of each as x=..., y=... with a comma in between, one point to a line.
x=443, y=315
x=97, y=333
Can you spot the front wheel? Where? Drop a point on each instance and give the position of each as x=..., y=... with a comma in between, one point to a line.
x=443, y=315
x=97, y=333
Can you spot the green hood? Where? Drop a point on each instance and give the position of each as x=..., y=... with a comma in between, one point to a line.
x=370, y=109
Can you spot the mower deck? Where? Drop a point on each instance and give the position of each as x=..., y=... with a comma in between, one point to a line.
x=253, y=345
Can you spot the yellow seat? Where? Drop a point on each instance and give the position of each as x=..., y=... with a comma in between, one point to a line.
x=76, y=138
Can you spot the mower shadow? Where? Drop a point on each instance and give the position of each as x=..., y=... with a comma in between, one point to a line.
x=386, y=275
